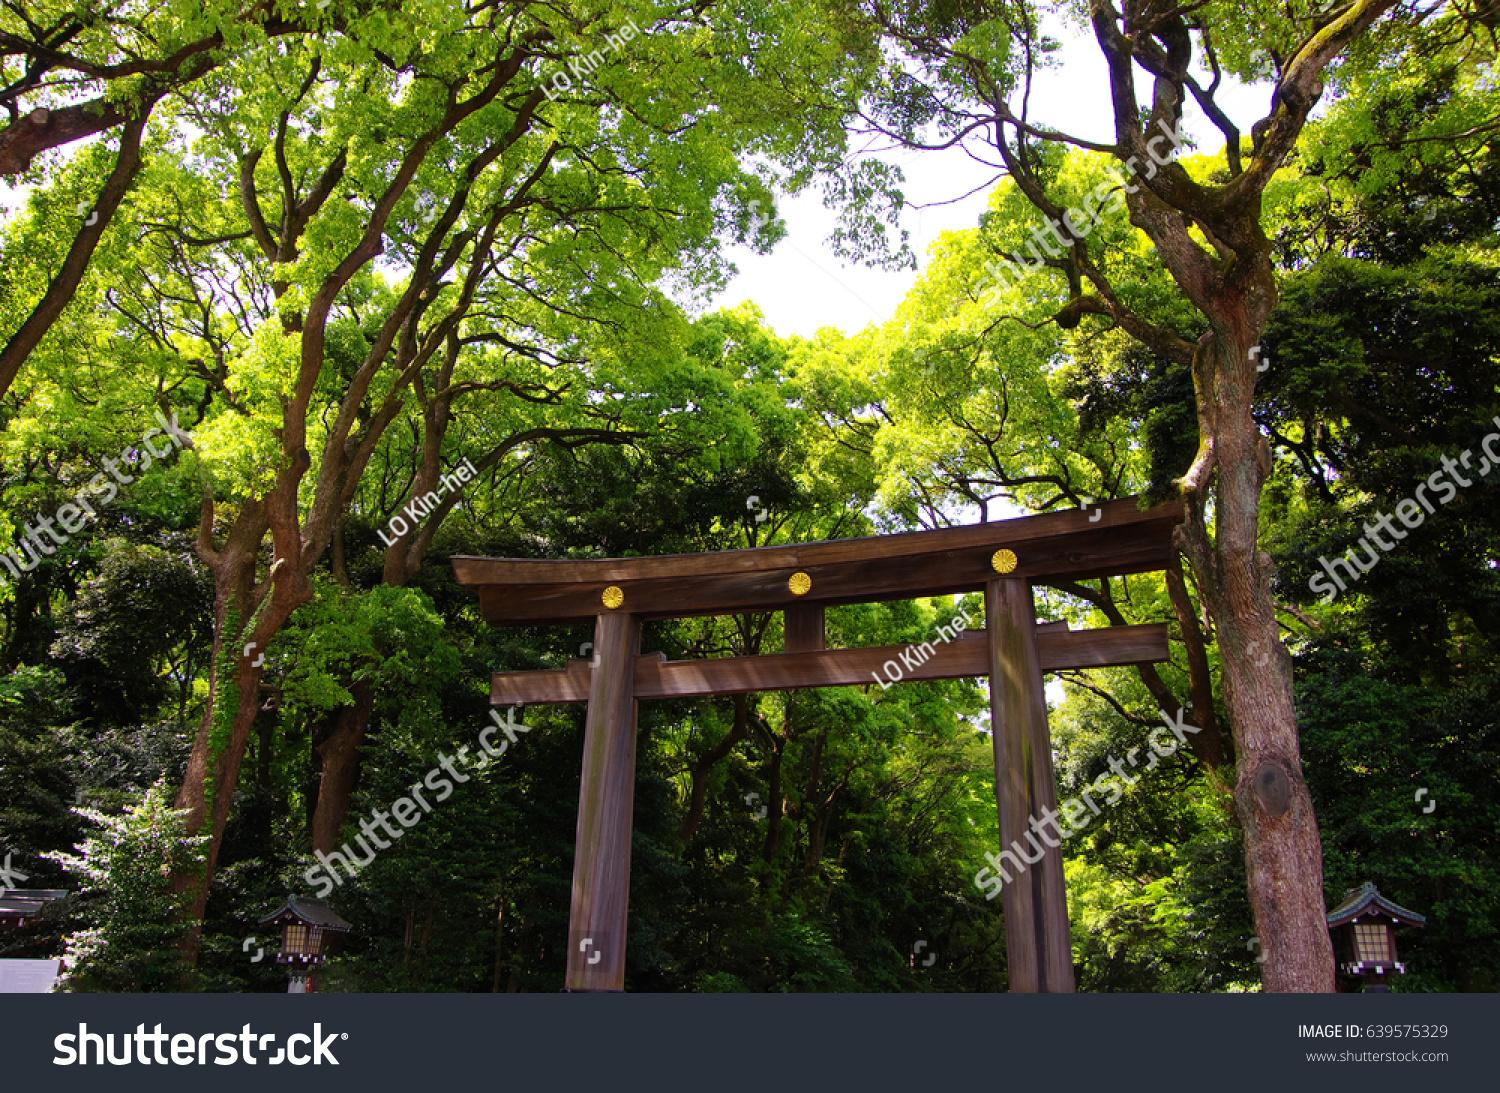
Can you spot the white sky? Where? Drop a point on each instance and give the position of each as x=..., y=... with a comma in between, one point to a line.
x=801, y=286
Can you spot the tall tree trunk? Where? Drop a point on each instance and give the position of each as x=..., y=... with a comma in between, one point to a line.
x=214, y=766
x=339, y=756
x=1232, y=283
x=1283, y=855
x=213, y=770
x=246, y=616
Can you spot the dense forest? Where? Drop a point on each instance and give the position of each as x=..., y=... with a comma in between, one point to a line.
x=274, y=273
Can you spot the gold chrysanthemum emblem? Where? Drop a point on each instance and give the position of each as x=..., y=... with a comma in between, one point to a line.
x=613, y=597
x=799, y=583
x=1004, y=560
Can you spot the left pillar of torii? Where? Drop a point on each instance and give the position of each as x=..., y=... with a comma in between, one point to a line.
x=606, y=798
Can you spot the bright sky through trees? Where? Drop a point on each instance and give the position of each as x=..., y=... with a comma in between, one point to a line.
x=801, y=285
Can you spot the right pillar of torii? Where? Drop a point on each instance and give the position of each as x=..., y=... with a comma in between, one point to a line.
x=1038, y=942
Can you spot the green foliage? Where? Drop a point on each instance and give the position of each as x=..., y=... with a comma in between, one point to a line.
x=560, y=356
x=127, y=899
x=389, y=638
x=1373, y=744
x=36, y=787
x=136, y=632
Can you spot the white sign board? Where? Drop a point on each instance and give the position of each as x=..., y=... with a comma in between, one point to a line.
x=28, y=976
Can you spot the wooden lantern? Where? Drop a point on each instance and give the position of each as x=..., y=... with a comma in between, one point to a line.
x=309, y=930
x=1364, y=939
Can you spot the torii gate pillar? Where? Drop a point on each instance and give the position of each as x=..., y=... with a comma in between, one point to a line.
x=606, y=800
x=1038, y=942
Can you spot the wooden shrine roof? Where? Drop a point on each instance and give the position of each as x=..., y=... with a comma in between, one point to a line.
x=1054, y=546
x=313, y=912
x=1359, y=901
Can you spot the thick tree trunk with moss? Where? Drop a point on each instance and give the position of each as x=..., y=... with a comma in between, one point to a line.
x=1283, y=854
x=1234, y=287
x=214, y=766
x=246, y=615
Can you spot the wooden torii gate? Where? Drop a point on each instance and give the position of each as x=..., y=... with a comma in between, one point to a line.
x=1004, y=559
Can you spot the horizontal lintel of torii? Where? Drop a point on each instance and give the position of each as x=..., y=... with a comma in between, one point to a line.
x=967, y=657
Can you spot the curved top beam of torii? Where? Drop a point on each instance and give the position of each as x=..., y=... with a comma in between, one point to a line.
x=1108, y=540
